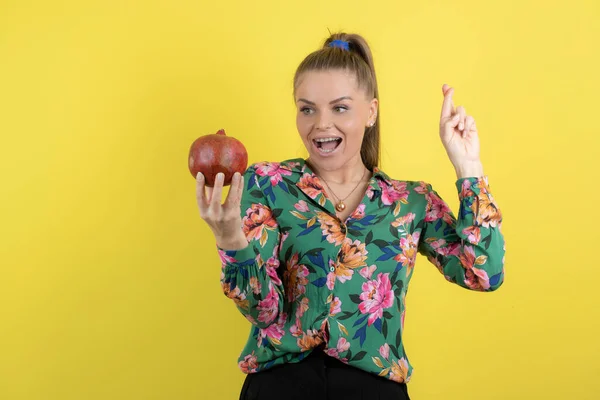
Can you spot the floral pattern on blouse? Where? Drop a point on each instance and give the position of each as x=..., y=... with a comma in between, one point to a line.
x=308, y=278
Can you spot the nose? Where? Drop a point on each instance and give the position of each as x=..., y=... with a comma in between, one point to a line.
x=324, y=123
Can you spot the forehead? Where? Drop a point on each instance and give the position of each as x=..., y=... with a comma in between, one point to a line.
x=327, y=85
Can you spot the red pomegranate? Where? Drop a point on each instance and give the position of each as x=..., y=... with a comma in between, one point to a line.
x=211, y=154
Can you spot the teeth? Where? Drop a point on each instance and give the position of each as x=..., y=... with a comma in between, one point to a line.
x=322, y=140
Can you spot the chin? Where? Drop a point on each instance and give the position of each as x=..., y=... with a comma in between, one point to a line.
x=330, y=163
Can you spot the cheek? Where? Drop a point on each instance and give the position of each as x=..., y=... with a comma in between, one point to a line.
x=303, y=125
x=351, y=124
x=351, y=120
x=353, y=128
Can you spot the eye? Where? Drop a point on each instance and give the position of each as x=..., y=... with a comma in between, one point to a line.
x=340, y=109
x=306, y=110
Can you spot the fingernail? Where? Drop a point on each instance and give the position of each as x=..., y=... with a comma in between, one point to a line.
x=460, y=126
x=199, y=175
x=220, y=176
x=456, y=117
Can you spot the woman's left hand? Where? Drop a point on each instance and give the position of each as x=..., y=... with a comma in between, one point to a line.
x=459, y=136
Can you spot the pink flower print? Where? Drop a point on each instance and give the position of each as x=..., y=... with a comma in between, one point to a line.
x=271, y=266
x=441, y=247
x=273, y=170
x=359, y=213
x=475, y=278
x=437, y=208
x=437, y=245
x=385, y=351
x=330, y=280
x=367, y=272
x=301, y=206
x=422, y=188
x=370, y=192
x=225, y=258
x=377, y=295
x=269, y=306
x=342, y=346
x=273, y=332
x=465, y=189
x=390, y=194
x=473, y=234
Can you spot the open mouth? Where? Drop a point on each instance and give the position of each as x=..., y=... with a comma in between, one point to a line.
x=327, y=145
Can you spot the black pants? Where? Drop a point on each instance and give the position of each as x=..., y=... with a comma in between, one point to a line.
x=320, y=377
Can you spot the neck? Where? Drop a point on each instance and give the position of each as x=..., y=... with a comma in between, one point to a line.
x=351, y=172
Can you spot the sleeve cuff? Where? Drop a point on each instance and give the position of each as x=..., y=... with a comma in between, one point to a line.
x=243, y=256
x=472, y=186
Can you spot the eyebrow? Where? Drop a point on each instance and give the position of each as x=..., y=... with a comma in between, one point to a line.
x=331, y=102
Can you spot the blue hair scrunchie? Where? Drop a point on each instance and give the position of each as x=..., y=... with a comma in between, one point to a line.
x=342, y=44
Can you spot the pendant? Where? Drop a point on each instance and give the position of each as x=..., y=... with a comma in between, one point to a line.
x=340, y=206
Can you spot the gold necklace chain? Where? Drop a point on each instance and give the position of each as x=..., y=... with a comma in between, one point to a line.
x=340, y=206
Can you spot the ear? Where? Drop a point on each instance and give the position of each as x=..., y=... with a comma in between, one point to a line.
x=373, y=107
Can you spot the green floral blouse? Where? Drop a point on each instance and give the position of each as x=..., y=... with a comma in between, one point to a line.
x=308, y=278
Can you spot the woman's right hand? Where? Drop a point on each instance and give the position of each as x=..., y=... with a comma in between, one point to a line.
x=224, y=220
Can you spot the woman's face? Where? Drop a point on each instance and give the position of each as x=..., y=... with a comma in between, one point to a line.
x=332, y=114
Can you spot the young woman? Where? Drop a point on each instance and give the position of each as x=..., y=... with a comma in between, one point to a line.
x=317, y=254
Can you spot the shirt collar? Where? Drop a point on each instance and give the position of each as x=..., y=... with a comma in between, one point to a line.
x=300, y=168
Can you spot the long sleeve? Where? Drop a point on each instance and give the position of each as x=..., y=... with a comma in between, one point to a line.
x=249, y=276
x=469, y=251
x=309, y=278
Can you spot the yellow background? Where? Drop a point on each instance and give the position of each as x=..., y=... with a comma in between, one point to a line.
x=109, y=282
